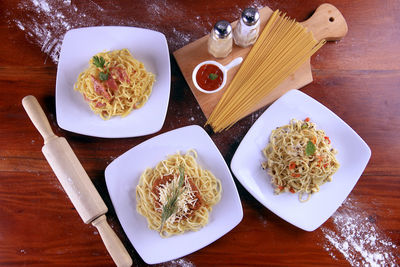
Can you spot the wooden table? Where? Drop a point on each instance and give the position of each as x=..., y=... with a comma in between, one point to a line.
x=358, y=78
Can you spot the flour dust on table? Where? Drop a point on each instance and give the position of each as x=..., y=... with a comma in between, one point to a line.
x=48, y=21
x=357, y=238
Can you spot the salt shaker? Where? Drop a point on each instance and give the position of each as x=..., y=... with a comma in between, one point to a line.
x=247, y=29
x=220, y=40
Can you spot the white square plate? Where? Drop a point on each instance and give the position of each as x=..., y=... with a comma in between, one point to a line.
x=79, y=45
x=353, y=156
x=122, y=177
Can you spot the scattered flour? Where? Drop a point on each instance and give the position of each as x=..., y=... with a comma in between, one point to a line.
x=254, y=117
x=180, y=262
x=111, y=159
x=45, y=22
x=358, y=239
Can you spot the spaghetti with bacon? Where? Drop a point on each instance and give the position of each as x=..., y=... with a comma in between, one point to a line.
x=300, y=158
x=199, y=192
x=115, y=83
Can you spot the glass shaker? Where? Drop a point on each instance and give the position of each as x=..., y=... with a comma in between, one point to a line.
x=220, y=40
x=247, y=29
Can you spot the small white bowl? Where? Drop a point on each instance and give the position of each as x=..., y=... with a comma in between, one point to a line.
x=223, y=68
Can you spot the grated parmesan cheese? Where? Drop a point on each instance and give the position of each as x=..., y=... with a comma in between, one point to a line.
x=185, y=200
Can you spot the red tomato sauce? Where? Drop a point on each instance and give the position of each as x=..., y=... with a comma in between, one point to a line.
x=168, y=178
x=209, y=77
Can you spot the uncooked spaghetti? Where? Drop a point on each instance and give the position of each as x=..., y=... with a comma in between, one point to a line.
x=282, y=47
x=300, y=158
x=177, y=194
x=115, y=83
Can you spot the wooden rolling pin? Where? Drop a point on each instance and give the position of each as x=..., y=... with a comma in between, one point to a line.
x=76, y=182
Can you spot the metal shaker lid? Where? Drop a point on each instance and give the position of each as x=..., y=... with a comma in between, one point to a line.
x=222, y=29
x=250, y=16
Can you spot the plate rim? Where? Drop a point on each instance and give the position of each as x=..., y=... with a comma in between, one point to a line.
x=236, y=219
x=60, y=113
x=253, y=129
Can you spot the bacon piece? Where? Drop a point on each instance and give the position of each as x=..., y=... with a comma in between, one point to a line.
x=111, y=83
x=121, y=74
x=97, y=103
x=100, y=105
x=86, y=98
x=99, y=88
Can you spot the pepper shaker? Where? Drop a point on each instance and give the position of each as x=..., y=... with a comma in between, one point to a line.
x=247, y=29
x=220, y=41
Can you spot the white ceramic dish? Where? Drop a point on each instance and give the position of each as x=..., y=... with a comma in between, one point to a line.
x=223, y=68
x=353, y=156
x=122, y=177
x=79, y=45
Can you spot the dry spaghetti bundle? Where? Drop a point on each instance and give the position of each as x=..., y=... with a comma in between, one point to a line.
x=282, y=47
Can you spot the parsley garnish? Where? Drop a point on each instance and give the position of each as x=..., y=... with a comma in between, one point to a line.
x=100, y=62
x=171, y=206
x=310, y=148
x=213, y=76
x=103, y=76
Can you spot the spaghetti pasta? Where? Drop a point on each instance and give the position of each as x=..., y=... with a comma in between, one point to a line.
x=300, y=158
x=199, y=192
x=282, y=47
x=115, y=83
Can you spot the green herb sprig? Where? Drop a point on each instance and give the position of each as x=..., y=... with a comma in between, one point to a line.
x=213, y=76
x=171, y=206
x=100, y=62
x=310, y=148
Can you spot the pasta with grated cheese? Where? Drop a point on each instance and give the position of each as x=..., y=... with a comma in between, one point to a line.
x=199, y=192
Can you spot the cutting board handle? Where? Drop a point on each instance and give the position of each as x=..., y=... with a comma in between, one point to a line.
x=112, y=242
x=327, y=23
x=37, y=116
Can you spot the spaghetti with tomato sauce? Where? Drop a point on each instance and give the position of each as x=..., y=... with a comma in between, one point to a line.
x=180, y=186
x=162, y=182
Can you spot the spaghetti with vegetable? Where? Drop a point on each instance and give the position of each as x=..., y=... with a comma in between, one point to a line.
x=300, y=158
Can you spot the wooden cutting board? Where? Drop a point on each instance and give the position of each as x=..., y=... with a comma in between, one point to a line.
x=326, y=23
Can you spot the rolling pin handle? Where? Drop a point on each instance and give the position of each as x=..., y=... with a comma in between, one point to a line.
x=113, y=244
x=38, y=118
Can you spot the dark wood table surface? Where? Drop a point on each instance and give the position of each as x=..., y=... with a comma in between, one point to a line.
x=358, y=78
